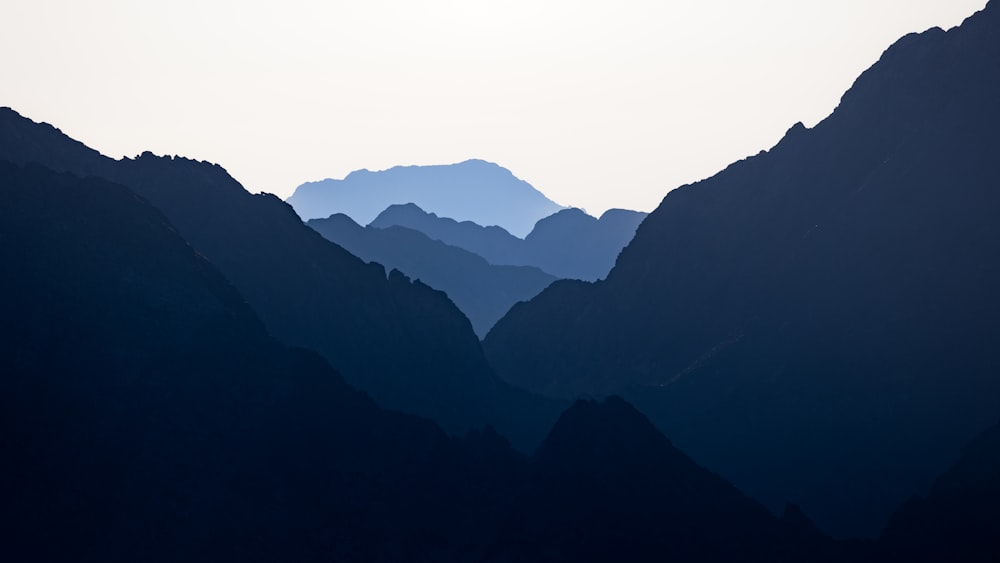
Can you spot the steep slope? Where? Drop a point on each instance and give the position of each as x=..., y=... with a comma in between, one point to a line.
x=960, y=519
x=482, y=291
x=147, y=415
x=567, y=244
x=607, y=486
x=402, y=342
x=474, y=190
x=815, y=322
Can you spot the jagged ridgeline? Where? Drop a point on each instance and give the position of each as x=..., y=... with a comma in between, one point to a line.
x=400, y=341
x=817, y=322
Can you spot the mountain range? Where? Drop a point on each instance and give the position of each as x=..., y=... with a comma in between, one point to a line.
x=148, y=415
x=190, y=372
x=816, y=322
x=473, y=190
x=485, y=270
x=484, y=292
x=403, y=342
x=568, y=243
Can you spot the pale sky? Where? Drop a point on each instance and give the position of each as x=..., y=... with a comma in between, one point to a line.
x=597, y=104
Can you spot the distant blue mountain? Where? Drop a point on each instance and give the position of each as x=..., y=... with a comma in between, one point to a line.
x=475, y=190
x=566, y=244
x=482, y=291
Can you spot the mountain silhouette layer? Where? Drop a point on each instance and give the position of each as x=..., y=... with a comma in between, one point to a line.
x=400, y=341
x=607, y=486
x=482, y=291
x=816, y=322
x=567, y=244
x=473, y=190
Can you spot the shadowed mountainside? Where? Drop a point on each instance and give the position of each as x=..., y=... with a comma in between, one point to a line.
x=817, y=322
x=476, y=190
x=567, y=244
x=400, y=341
x=482, y=291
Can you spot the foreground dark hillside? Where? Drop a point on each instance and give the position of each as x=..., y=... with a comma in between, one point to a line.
x=817, y=322
x=147, y=415
x=400, y=341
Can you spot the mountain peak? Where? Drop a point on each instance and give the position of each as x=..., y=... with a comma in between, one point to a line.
x=473, y=190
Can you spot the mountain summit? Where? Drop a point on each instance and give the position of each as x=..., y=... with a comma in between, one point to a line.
x=473, y=190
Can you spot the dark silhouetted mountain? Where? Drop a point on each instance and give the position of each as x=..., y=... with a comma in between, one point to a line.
x=400, y=341
x=146, y=415
x=473, y=190
x=567, y=244
x=960, y=519
x=482, y=291
x=816, y=322
x=607, y=486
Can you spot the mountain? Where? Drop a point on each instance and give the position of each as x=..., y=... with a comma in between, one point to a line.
x=567, y=244
x=959, y=520
x=816, y=322
x=148, y=416
x=482, y=291
x=475, y=190
x=605, y=485
x=402, y=342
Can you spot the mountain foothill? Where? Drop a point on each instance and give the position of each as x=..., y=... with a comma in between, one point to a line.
x=792, y=360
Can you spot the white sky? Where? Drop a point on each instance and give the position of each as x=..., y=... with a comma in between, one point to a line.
x=597, y=104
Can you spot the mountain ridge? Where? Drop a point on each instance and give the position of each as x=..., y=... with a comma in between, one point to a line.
x=310, y=292
x=566, y=244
